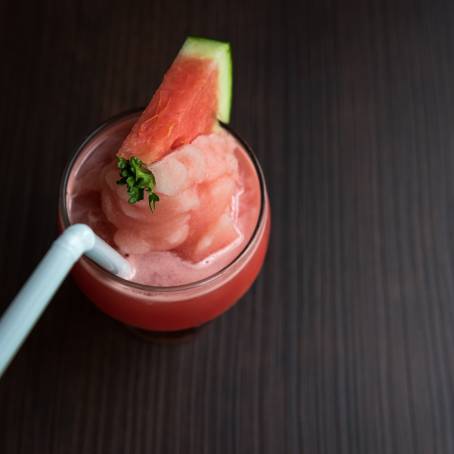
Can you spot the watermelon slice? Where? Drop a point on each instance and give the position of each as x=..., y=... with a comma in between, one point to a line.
x=196, y=90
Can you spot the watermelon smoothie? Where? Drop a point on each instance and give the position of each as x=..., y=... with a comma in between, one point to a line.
x=196, y=254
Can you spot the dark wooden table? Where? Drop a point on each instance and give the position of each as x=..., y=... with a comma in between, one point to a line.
x=346, y=342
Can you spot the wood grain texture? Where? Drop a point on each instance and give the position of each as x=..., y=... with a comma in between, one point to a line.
x=346, y=342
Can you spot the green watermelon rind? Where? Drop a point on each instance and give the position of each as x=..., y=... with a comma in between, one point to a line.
x=219, y=51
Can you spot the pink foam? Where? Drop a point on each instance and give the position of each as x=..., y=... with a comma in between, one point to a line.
x=209, y=202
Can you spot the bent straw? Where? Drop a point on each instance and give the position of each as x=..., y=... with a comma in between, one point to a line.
x=24, y=311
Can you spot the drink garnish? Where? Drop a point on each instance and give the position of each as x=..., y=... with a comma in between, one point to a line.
x=196, y=92
x=138, y=179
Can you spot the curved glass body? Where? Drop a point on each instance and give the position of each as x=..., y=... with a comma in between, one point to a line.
x=170, y=308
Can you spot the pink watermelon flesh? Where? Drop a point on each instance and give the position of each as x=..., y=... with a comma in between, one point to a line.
x=183, y=107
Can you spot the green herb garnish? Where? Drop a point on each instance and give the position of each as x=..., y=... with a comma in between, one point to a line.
x=139, y=179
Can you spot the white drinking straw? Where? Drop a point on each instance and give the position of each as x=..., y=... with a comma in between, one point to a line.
x=24, y=311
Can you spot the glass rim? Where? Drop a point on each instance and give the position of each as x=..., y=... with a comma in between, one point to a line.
x=63, y=211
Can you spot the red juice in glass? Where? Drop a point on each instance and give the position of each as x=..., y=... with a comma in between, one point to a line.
x=201, y=248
